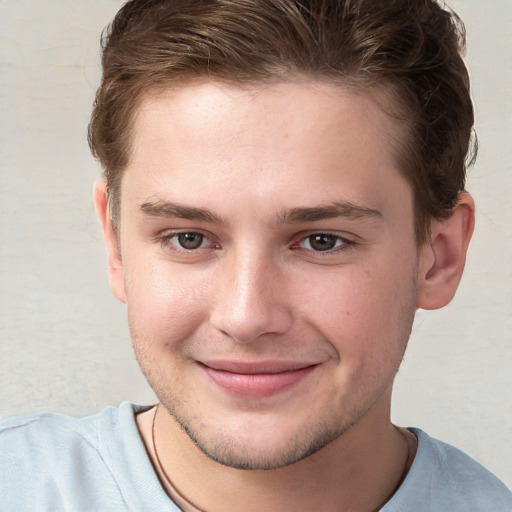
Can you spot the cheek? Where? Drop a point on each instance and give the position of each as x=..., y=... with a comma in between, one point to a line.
x=363, y=312
x=346, y=297
x=165, y=305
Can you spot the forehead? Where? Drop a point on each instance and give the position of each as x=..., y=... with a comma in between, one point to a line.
x=289, y=139
x=202, y=98
x=258, y=113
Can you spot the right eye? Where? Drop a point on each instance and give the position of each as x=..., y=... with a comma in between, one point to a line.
x=189, y=241
x=185, y=241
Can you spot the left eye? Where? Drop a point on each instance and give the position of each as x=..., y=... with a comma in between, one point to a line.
x=322, y=242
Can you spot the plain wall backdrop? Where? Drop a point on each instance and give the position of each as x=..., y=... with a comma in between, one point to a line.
x=64, y=344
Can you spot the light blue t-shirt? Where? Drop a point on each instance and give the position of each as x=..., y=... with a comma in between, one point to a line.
x=54, y=463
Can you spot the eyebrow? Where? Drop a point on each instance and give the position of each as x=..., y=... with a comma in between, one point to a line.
x=176, y=210
x=343, y=209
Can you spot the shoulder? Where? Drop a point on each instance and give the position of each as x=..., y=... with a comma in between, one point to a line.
x=45, y=438
x=64, y=463
x=443, y=477
x=48, y=424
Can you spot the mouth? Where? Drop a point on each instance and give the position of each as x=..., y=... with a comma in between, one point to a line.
x=256, y=379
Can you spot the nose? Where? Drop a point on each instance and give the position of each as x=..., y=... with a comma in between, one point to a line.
x=252, y=300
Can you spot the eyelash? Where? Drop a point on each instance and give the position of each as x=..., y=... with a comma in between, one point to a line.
x=166, y=241
x=344, y=244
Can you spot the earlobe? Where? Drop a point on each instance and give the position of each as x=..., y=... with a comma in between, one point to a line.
x=115, y=264
x=442, y=260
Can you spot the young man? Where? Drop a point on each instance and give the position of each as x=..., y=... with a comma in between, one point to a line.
x=284, y=187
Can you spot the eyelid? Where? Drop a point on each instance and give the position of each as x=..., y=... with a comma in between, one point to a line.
x=166, y=236
x=346, y=239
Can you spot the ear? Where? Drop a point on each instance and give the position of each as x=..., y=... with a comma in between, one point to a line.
x=442, y=259
x=115, y=263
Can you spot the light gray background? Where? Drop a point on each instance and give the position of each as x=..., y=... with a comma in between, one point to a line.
x=64, y=345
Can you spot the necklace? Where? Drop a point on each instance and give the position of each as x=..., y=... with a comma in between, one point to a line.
x=188, y=506
x=174, y=494
x=412, y=447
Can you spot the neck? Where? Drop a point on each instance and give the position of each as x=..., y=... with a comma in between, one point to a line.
x=359, y=471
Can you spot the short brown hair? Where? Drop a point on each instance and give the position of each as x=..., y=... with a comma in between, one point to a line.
x=411, y=48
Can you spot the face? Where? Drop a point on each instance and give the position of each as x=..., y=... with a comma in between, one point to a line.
x=268, y=263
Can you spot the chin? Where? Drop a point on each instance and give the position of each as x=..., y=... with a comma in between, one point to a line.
x=261, y=447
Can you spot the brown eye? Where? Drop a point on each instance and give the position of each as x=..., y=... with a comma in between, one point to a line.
x=190, y=241
x=323, y=241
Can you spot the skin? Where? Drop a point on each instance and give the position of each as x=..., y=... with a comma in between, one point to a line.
x=302, y=254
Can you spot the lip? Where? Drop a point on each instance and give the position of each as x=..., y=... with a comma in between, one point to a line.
x=256, y=379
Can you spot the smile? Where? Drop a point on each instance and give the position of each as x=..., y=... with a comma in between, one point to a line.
x=256, y=380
